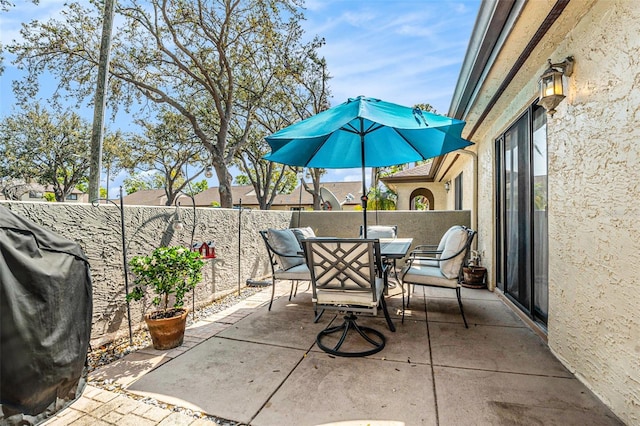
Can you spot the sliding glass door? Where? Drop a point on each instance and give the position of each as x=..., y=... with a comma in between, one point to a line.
x=522, y=252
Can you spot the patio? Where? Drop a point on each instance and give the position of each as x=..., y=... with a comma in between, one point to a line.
x=262, y=368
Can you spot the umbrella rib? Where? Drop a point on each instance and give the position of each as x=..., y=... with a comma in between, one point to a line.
x=373, y=128
x=411, y=145
x=350, y=129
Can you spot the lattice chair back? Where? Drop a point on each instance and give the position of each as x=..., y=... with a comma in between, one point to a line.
x=347, y=275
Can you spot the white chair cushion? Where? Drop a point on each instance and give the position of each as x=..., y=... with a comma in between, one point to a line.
x=380, y=231
x=298, y=272
x=456, y=240
x=358, y=296
x=443, y=240
x=285, y=242
x=428, y=275
x=302, y=233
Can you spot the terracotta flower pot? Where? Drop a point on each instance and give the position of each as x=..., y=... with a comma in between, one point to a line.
x=167, y=333
x=474, y=276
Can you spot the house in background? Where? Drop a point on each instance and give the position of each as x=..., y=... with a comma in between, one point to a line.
x=36, y=192
x=347, y=195
x=298, y=198
x=146, y=197
x=416, y=183
x=556, y=197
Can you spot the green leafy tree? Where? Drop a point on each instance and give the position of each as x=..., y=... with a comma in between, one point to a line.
x=13, y=189
x=302, y=93
x=267, y=178
x=49, y=148
x=212, y=62
x=166, y=147
x=382, y=199
x=197, y=187
x=140, y=182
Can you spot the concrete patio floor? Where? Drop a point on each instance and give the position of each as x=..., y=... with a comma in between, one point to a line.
x=257, y=367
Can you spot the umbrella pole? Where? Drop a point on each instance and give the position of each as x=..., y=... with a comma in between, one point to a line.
x=364, y=197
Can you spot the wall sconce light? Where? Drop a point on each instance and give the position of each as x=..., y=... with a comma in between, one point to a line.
x=447, y=185
x=551, y=87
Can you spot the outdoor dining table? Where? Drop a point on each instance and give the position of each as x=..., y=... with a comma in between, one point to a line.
x=392, y=249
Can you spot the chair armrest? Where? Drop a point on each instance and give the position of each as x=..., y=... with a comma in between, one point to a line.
x=431, y=247
x=423, y=252
x=425, y=249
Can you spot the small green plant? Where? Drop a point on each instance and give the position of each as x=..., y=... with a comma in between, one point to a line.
x=168, y=270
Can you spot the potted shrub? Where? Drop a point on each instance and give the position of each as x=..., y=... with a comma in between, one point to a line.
x=169, y=271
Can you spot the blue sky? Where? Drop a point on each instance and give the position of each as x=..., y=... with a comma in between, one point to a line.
x=405, y=52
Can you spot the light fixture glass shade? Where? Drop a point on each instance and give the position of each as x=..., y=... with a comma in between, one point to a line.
x=208, y=172
x=177, y=225
x=551, y=89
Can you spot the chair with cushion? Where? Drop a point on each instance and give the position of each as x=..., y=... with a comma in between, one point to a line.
x=428, y=251
x=347, y=275
x=380, y=231
x=287, y=261
x=442, y=270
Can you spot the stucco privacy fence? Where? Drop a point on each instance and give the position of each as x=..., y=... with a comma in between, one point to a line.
x=97, y=230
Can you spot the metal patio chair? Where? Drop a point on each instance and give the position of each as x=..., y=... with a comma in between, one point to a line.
x=347, y=275
x=287, y=262
x=439, y=268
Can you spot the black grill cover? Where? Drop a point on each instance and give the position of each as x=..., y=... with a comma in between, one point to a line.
x=45, y=324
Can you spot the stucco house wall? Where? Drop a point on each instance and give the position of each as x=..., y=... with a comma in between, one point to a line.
x=594, y=169
x=594, y=186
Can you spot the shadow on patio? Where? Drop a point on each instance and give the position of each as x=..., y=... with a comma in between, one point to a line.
x=262, y=368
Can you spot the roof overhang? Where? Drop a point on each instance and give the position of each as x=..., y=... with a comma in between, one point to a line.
x=508, y=51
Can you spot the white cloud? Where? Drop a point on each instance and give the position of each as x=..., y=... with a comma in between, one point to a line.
x=405, y=51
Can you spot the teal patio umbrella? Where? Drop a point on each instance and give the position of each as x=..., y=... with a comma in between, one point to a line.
x=366, y=132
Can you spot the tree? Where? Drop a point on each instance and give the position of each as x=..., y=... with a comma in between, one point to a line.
x=302, y=93
x=139, y=182
x=168, y=148
x=52, y=149
x=382, y=199
x=13, y=189
x=267, y=178
x=210, y=61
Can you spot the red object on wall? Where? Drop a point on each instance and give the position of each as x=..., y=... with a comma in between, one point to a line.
x=207, y=249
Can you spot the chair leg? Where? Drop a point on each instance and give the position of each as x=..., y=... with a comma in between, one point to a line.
x=291, y=291
x=403, y=306
x=460, y=304
x=273, y=291
x=386, y=315
x=318, y=315
x=351, y=324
